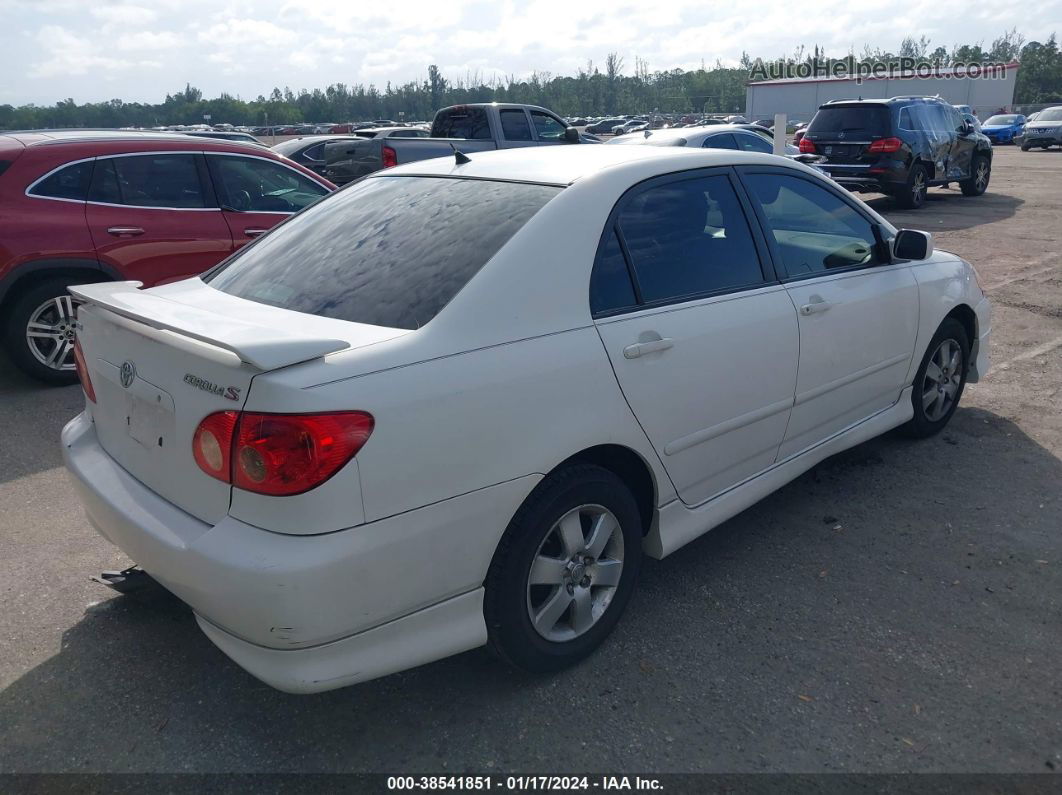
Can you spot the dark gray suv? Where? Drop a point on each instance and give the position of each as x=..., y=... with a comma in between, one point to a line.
x=900, y=146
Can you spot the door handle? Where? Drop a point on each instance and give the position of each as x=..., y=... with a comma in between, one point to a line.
x=815, y=305
x=642, y=348
x=254, y=232
x=125, y=231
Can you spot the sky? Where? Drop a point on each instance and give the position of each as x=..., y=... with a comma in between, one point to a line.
x=140, y=50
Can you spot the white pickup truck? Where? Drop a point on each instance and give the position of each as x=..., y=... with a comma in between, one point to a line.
x=465, y=128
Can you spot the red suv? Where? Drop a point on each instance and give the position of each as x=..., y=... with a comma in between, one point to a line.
x=82, y=206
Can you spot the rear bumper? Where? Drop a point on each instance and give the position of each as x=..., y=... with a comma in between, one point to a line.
x=308, y=613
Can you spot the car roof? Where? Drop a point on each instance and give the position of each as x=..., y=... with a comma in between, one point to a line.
x=675, y=134
x=565, y=164
x=135, y=140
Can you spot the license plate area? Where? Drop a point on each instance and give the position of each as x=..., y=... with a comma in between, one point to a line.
x=149, y=415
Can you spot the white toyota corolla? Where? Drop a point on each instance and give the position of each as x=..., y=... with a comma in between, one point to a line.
x=455, y=403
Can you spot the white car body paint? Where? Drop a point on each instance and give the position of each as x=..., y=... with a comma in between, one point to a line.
x=382, y=566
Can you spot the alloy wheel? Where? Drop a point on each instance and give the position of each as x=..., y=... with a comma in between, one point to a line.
x=940, y=386
x=981, y=177
x=575, y=573
x=918, y=188
x=50, y=332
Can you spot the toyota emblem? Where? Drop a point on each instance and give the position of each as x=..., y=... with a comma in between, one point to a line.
x=128, y=373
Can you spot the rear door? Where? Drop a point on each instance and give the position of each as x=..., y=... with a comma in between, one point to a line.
x=256, y=193
x=702, y=339
x=152, y=215
x=858, y=312
x=515, y=128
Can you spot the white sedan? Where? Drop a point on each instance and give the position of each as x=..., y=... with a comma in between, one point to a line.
x=456, y=403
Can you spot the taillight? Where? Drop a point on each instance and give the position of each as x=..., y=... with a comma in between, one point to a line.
x=82, y=371
x=885, y=145
x=390, y=159
x=212, y=444
x=807, y=147
x=278, y=454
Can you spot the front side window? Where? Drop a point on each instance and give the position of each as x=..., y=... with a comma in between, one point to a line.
x=251, y=184
x=71, y=182
x=547, y=127
x=515, y=126
x=388, y=251
x=689, y=237
x=814, y=230
x=163, y=181
x=750, y=142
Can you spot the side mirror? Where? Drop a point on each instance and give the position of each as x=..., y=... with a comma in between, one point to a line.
x=912, y=244
x=571, y=135
x=967, y=128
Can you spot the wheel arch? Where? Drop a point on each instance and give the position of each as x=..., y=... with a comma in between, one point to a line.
x=968, y=318
x=628, y=466
x=29, y=273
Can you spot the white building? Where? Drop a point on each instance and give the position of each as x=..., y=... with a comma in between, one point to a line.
x=799, y=98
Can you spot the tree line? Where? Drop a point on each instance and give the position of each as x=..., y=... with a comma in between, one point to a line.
x=595, y=90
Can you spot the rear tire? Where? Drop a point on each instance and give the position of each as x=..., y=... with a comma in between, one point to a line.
x=940, y=380
x=980, y=174
x=39, y=333
x=564, y=570
x=913, y=195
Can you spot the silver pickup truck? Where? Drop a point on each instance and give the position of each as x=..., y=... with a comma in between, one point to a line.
x=466, y=128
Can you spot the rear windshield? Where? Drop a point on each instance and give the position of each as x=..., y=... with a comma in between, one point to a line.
x=461, y=122
x=388, y=251
x=853, y=121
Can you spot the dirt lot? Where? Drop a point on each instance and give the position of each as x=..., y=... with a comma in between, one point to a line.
x=896, y=609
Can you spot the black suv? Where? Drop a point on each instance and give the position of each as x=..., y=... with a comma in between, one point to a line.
x=900, y=147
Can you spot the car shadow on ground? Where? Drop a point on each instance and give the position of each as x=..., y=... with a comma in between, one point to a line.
x=34, y=414
x=946, y=209
x=833, y=621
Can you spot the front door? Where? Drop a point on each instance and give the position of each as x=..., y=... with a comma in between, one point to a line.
x=152, y=217
x=858, y=312
x=257, y=193
x=703, y=342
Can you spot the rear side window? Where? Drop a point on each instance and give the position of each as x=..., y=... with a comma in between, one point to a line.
x=721, y=141
x=165, y=181
x=856, y=122
x=389, y=251
x=515, y=126
x=71, y=182
x=610, y=282
x=689, y=237
x=751, y=142
x=463, y=122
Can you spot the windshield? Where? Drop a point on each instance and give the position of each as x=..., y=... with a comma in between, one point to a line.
x=1051, y=114
x=1001, y=120
x=852, y=120
x=388, y=251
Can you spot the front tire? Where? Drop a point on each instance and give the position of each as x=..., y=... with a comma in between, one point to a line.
x=564, y=570
x=980, y=174
x=913, y=195
x=39, y=334
x=940, y=380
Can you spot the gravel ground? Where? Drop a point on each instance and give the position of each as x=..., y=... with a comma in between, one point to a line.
x=895, y=609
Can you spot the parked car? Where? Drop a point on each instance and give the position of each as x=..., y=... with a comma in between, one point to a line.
x=900, y=147
x=1045, y=131
x=1003, y=127
x=629, y=126
x=393, y=132
x=604, y=127
x=736, y=137
x=798, y=133
x=308, y=151
x=308, y=479
x=84, y=206
x=241, y=137
x=464, y=128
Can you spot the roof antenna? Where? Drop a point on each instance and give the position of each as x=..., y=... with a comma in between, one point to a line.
x=647, y=133
x=460, y=157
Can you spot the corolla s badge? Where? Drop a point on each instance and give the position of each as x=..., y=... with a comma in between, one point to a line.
x=228, y=392
x=127, y=373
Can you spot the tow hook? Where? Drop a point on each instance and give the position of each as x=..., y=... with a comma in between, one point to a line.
x=126, y=581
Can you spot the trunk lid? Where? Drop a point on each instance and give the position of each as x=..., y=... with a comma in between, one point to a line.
x=162, y=360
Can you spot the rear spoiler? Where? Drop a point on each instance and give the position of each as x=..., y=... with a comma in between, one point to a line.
x=264, y=347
